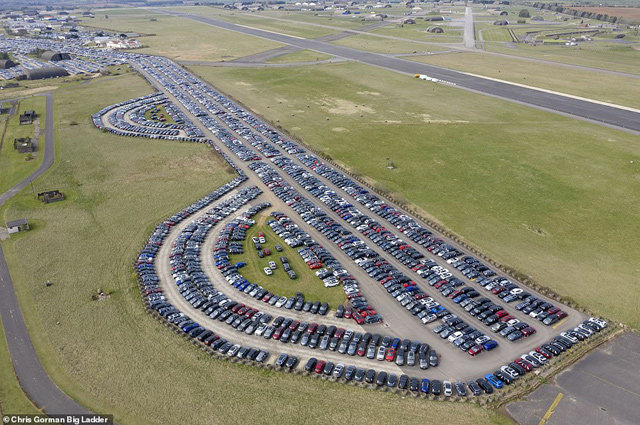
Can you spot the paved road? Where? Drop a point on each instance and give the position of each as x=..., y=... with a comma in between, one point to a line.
x=583, y=109
x=455, y=364
x=602, y=388
x=32, y=377
x=469, y=30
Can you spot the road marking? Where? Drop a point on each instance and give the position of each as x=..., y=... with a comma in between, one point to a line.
x=610, y=383
x=272, y=32
x=552, y=409
x=599, y=102
x=559, y=323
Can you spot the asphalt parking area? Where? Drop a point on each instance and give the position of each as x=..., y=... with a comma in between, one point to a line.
x=602, y=388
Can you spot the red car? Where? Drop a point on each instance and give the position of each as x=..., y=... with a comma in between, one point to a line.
x=358, y=318
x=528, y=331
x=320, y=366
x=498, y=289
x=542, y=352
x=278, y=333
x=348, y=312
x=312, y=328
x=553, y=310
x=237, y=307
x=294, y=325
x=260, y=234
x=475, y=350
x=266, y=251
x=501, y=313
x=525, y=364
x=339, y=333
x=505, y=319
x=391, y=354
x=561, y=314
x=361, y=350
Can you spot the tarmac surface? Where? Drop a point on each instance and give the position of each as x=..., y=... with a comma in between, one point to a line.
x=610, y=116
x=31, y=375
x=603, y=388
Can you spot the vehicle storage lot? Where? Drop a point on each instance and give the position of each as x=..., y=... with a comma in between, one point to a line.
x=602, y=388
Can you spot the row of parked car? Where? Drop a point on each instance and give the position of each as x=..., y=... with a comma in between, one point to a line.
x=229, y=242
x=318, y=219
x=469, y=266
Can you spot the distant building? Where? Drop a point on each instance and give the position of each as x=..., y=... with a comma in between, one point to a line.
x=435, y=29
x=6, y=64
x=42, y=73
x=51, y=196
x=408, y=21
x=28, y=117
x=24, y=145
x=433, y=18
x=118, y=44
x=501, y=22
x=15, y=226
x=54, y=56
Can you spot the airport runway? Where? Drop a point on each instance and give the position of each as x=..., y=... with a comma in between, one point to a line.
x=610, y=116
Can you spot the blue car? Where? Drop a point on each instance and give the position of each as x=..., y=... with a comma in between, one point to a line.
x=489, y=345
x=240, y=264
x=424, y=386
x=493, y=381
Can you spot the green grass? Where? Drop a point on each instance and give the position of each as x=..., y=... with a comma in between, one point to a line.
x=498, y=34
x=279, y=283
x=14, y=166
x=301, y=56
x=12, y=399
x=550, y=196
x=418, y=31
x=183, y=39
x=375, y=44
x=161, y=111
x=589, y=84
x=111, y=355
x=614, y=58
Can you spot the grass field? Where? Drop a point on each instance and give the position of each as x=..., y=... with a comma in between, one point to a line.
x=375, y=44
x=12, y=399
x=301, y=56
x=181, y=39
x=498, y=34
x=14, y=166
x=111, y=355
x=624, y=58
x=279, y=283
x=417, y=31
x=578, y=82
x=520, y=184
x=161, y=111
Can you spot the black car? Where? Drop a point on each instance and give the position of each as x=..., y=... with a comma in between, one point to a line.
x=382, y=379
x=414, y=385
x=475, y=388
x=311, y=364
x=370, y=376
x=403, y=382
x=486, y=387
x=436, y=387
x=460, y=389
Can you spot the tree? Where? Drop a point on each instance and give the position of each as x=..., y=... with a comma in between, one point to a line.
x=524, y=13
x=4, y=56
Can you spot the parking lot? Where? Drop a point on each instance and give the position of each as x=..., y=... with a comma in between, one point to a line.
x=419, y=304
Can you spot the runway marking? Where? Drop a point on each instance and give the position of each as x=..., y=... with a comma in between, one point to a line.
x=571, y=96
x=559, y=323
x=552, y=409
x=610, y=383
x=272, y=32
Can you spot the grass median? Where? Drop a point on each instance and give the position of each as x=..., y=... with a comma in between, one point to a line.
x=111, y=355
x=550, y=196
x=279, y=283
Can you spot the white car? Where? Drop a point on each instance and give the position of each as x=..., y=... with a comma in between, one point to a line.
x=429, y=318
x=268, y=271
x=510, y=371
x=513, y=322
x=454, y=336
x=382, y=352
x=539, y=357
x=262, y=239
x=272, y=265
x=597, y=321
x=570, y=337
x=447, y=389
x=482, y=339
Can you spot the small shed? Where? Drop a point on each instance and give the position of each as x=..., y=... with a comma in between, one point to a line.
x=433, y=18
x=501, y=22
x=15, y=226
x=409, y=21
x=42, y=73
x=28, y=117
x=24, y=145
x=537, y=18
x=435, y=29
x=51, y=196
x=504, y=13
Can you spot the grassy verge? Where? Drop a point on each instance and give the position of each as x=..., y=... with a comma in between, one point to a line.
x=182, y=39
x=111, y=355
x=301, y=56
x=14, y=166
x=12, y=399
x=577, y=82
x=520, y=184
x=375, y=44
x=279, y=283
